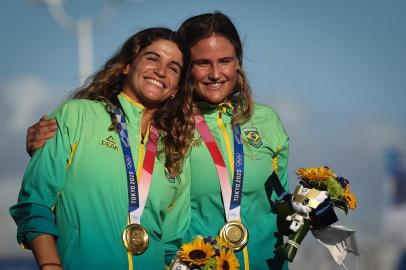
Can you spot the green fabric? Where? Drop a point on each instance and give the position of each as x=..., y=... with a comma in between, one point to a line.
x=256, y=213
x=89, y=196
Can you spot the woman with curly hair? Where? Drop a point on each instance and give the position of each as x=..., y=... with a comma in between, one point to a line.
x=101, y=192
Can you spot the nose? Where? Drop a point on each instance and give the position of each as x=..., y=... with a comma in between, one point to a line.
x=214, y=74
x=160, y=70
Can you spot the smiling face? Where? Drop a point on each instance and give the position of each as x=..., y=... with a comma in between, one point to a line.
x=154, y=74
x=214, y=68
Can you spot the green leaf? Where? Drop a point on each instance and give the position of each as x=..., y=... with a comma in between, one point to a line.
x=211, y=264
x=341, y=204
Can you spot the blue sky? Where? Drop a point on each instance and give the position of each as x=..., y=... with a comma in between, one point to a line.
x=334, y=70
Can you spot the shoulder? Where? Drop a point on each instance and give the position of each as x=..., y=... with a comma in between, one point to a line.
x=75, y=108
x=266, y=119
x=73, y=114
x=265, y=111
x=80, y=104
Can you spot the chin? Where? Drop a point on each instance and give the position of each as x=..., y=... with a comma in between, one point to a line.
x=216, y=99
x=212, y=99
x=153, y=102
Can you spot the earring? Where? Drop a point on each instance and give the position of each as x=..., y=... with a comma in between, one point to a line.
x=172, y=96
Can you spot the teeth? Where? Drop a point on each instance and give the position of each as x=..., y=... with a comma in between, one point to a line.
x=155, y=82
x=214, y=85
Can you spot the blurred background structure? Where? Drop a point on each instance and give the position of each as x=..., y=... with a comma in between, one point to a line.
x=334, y=70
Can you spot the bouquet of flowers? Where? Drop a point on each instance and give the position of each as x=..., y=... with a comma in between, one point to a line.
x=311, y=206
x=205, y=253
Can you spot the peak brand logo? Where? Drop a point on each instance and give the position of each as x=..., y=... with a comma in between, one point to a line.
x=109, y=142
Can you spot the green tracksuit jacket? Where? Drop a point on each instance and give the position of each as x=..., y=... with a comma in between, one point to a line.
x=75, y=188
x=265, y=150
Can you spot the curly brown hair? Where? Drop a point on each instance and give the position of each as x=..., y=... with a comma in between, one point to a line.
x=174, y=119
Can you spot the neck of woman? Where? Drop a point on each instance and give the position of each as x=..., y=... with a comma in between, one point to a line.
x=147, y=116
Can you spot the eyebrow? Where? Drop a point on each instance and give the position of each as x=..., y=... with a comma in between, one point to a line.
x=204, y=60
x=228, y=58
x=158, y=55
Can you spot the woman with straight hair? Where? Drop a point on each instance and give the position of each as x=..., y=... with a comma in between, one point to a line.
x=243, y=141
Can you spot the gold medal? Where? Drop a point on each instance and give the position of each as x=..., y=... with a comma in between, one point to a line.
x=235, y=233
x=135, y=239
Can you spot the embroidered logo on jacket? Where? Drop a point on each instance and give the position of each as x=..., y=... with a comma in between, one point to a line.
x=109, y=143
x=253, y=137
x=197, y=141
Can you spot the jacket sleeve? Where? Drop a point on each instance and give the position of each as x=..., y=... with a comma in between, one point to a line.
x=282, y=162
x=280, y=165
x=43, y=180
x=178, y=218
x=281, y=154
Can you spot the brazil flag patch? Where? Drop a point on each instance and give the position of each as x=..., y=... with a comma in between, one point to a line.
x=253, y=137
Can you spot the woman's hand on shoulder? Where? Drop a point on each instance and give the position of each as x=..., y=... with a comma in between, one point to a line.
x=39, y=133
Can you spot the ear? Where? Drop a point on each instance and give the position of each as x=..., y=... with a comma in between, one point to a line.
x=126, y=69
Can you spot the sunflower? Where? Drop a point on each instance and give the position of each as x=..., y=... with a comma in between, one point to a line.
x=350, y=198
x=227, y=261
x=221, y=243
x=315, y=173
x=197, y=252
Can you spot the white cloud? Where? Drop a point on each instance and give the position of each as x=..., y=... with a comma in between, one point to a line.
x=24, y=98
x=292, y=113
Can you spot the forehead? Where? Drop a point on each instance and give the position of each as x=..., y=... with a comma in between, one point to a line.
x=165, y=49
x=214, y=46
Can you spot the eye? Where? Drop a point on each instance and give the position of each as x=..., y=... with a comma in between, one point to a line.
x=227, y=60
x=305, y=201
x=202, y=63
x=175, y=69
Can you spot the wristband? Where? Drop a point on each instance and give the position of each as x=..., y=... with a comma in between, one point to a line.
x=50, y=264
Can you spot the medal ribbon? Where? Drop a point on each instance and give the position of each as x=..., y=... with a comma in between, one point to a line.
x=137, y=192
x=231, y=195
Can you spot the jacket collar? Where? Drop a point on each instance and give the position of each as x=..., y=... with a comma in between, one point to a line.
x=212, y=110
x=132, y=109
